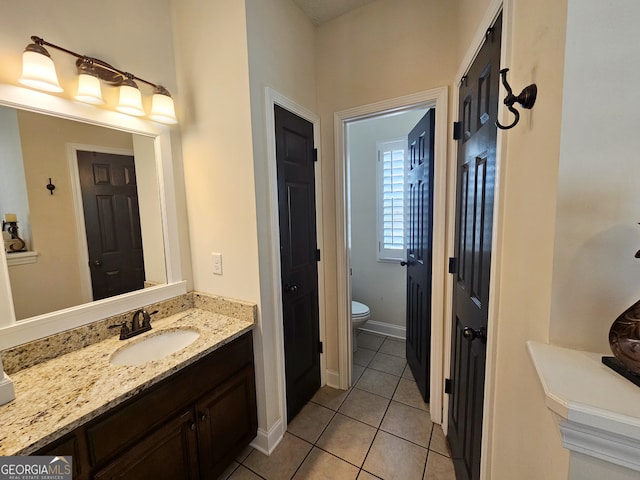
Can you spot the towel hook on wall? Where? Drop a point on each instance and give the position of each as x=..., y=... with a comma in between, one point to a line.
x=526, y=99
x=51, y=187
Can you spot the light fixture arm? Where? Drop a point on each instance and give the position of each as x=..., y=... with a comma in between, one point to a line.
x=106, y=72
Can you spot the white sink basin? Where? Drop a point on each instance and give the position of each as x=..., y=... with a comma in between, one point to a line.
x=154, y=347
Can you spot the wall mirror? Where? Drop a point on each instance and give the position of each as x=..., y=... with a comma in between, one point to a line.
x=66, y=277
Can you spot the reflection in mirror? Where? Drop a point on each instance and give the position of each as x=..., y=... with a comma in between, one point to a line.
x=105, y=180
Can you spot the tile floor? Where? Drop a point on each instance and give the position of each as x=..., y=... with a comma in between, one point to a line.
x=378, y=429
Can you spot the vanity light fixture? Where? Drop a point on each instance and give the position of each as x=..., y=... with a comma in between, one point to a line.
x=89, y=90
x=130, y=98
x=38, y=71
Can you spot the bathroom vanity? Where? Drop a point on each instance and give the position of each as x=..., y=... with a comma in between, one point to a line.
x=186, y=415
x=190, y=425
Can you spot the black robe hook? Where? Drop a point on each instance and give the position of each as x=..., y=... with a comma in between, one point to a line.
x=526, y=99
x=51, y=187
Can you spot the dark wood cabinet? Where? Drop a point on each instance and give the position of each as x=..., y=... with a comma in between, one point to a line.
x=225, y=422
x=69, y=445
x=189, y=426
x=170, y=452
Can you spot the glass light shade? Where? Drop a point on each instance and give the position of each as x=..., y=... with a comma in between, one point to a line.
x=38, y=71
x=89, y=89
x=162, y=109
x=130, y=100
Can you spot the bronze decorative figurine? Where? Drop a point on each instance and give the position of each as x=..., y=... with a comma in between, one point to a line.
x=15, y=243
x=624, y=340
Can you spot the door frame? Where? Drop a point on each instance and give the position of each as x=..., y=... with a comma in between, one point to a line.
x=86, y=284
x=491, y=13
x=272, y=98
x=438, y=98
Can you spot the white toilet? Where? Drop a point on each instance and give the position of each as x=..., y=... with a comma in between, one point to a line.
x=360, y=313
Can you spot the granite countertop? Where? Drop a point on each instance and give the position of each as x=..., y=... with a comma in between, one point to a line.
x=55, y=397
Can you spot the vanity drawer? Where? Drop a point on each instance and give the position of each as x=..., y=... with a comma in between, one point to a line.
x=117, y=430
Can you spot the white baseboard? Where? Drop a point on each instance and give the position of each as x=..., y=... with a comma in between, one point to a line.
x=266, y=442
x=395, y=331
x=333, y=378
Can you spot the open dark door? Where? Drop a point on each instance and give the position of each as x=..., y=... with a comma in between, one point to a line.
x=112, y=223
x=298, y=257
x=474, y=222
x=420, y=249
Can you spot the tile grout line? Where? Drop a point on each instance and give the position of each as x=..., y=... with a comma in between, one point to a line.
x=377, y=429
x=316, y=440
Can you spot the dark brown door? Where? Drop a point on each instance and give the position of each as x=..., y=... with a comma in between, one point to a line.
x=298, y=259
x=112, y=223
x=474, y=220
x=420, y=250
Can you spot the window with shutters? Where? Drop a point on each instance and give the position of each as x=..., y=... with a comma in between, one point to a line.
x=391, y=199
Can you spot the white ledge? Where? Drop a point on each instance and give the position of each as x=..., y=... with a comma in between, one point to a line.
x=599, y=410
x=21, y=258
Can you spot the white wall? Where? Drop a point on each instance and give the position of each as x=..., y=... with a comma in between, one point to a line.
x=213, y=76
x=134, y=36
x=382, y=286
x=95, y=28
x=13, y=186
x=281, y=56
x=524, y=441
x=249, y=45
x=369, y=55
x=155, y=270
x=596, y=276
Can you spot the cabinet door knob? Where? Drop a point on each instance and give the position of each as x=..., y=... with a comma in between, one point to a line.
x=192, y=426
x=203, y=417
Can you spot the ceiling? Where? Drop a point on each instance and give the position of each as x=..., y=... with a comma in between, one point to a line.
x=320, y=11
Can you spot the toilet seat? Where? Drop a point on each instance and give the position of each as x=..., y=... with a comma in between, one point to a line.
x=359, y=310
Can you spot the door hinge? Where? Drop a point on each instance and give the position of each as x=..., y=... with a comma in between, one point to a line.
x=317, y=255
x=457, y=130
x=315, y=154
x=320, y=347
x=453, y=265
x=489, y=33
x=447, y=385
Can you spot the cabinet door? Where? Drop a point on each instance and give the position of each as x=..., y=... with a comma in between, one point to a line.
x=69, y=445
x=227, y=422
x=170, y=452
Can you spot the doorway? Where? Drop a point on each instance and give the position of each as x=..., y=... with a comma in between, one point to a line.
x=377, y=149
x=429, y=99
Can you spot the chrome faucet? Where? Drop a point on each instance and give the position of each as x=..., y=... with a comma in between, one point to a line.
x=136, y=327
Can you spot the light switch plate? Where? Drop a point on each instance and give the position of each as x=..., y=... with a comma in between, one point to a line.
x=217, y=263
